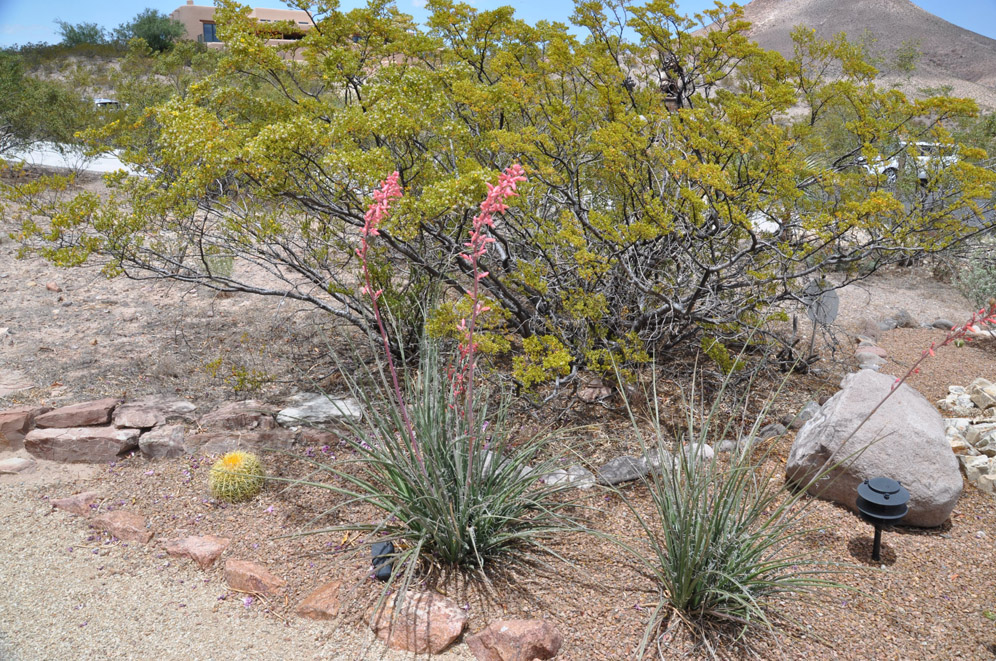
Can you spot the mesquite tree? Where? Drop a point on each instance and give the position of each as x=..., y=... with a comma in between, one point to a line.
x=682, y=180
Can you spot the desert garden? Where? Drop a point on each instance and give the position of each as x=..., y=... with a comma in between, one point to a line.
x=480, y=340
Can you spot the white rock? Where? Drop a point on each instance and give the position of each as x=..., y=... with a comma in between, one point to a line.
x=975, y=467
x=320, y=409
x=14, y=465
x=960, y=424
x=956, y=390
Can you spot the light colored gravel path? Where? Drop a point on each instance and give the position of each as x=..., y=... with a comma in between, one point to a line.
x=64, y=597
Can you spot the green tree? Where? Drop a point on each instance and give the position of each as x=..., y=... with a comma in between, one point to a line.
x=681, y=182
x=157, y=29
x=81, y=33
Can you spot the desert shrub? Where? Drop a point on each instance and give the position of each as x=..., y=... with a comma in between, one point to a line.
x=670, y=191
x=237, y=476
x=976, y=274
x=721, y=532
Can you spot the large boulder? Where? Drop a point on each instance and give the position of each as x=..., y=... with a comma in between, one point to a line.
x=903, y=440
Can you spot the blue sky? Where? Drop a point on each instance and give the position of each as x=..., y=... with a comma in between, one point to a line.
x=25, y=21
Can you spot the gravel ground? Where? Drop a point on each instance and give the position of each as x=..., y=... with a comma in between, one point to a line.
x=69, y=594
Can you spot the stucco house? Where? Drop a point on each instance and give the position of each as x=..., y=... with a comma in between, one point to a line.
x=199, y=22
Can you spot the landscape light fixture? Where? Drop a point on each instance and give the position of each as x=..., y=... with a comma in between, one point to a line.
x=881, y=501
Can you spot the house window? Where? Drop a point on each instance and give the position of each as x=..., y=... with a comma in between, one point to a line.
x=210, y=32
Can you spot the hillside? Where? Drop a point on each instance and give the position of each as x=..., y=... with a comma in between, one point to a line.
x=950, y=55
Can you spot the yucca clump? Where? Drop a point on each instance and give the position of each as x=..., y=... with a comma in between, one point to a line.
x=237, y=476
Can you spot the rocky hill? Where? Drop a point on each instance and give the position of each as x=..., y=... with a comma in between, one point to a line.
x=949, y=55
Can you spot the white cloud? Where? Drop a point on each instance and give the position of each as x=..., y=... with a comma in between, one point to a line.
x=418, y=4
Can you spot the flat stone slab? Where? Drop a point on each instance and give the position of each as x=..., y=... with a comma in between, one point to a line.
x=15, y=465
x=322, y=604
x=126, y=526
x=78, y=504
x=84, y=414
x=249, y=414
x=88, y=445
x=622, y=469
x=203, y=550
x=15, y=423
x=212, y=443
x=318, y=409
x=248, y=576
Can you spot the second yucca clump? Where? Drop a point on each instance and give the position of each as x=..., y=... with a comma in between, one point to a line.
x=237, y=476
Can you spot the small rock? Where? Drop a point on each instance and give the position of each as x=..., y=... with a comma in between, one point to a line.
x=904, y=319
x=78, y=504
x=322, y=604
x=943, y=324
x=252, y=577
x=138, y=415
x=512, y=640
x=807, y=413
x=622, y=469
x=248, y=414
x=727, y=445
x=770, y=431
x=887, y=324
x=426, y=622
x=84, y=414
x=162, y=442
x=319, y=409
x=81, y=444
x=53, y=287
x=872, y=349
x=15, y=465
x=869, y=329
x=202, y=550
x=318, y=437
x=869, y=361
x=15, y=423
x=696, y=453
x=982, y=393
x=578, y=476
x=126, y=526
x=592, y=394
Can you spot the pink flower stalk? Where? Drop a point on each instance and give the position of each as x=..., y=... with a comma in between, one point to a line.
x=477, y=246
x=377, y=212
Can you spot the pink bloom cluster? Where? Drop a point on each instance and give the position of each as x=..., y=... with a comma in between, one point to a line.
x=377, y=212
x=476, y=247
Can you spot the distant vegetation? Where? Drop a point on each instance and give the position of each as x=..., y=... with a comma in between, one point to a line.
x=681, y=185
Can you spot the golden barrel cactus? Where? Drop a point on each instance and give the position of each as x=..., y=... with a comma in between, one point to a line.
x=236, y=477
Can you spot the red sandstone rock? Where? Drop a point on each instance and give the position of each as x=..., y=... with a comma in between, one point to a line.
x=203, y=550
x=126, y=526
x=81, y=444
x=250, y=414
x=426, y=622
x=84, y=414
x=139, y=415
x=220, y=442
x=53, y=286
x=78, y=504
x=319, y=437
x=322, y=604
x=15, y=423
x=251, y=577
x=516, y=640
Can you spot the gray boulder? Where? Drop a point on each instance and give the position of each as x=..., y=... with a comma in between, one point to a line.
x=622, y=469
x=807, y=413
x=903, y=440
x=318, y=409
x=162, y=442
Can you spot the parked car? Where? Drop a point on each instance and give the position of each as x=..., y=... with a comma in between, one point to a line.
x=926, y=157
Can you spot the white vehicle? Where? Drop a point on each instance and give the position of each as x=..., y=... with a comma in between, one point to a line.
x=927, y=156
